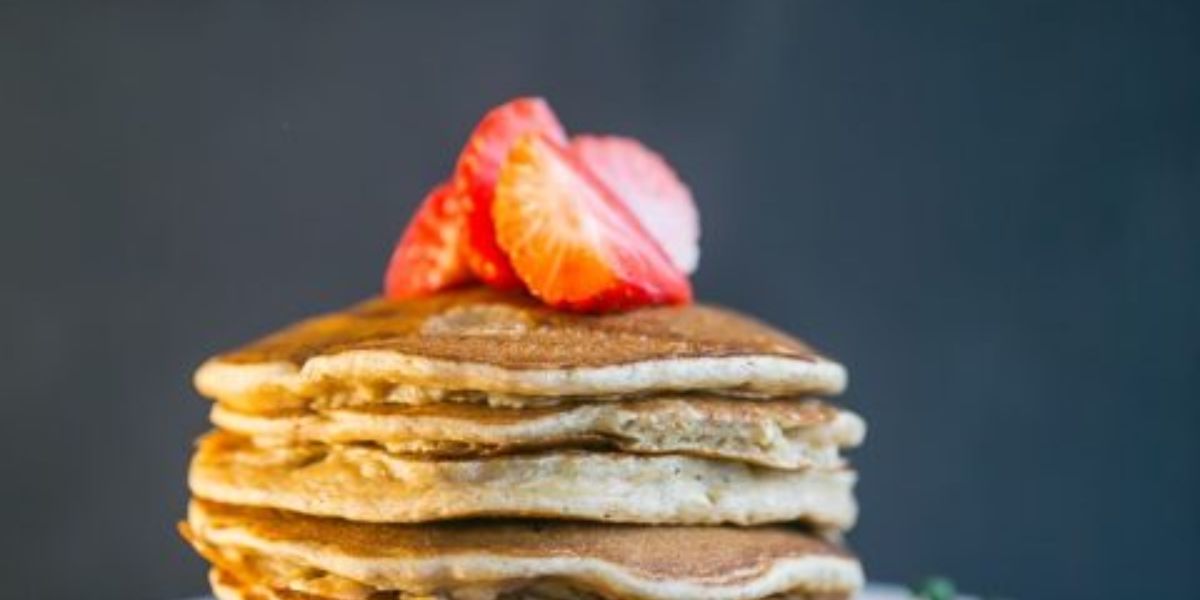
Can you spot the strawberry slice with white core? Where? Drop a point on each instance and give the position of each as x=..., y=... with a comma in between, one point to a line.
x=476, y=173
x=572, y=242
x=429, y=256
x=650, y=188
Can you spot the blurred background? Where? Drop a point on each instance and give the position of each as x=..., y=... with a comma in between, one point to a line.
x=988, y=211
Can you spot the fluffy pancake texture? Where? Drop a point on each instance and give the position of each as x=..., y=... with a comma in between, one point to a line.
x=476, y=445
x=505, y=347
x=785, y=434
x=368, y=483
x=260, y=552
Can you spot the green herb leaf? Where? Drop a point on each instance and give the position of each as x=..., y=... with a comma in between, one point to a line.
x=934, y=588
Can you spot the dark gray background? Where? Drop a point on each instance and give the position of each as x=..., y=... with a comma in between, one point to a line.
x=988, y=211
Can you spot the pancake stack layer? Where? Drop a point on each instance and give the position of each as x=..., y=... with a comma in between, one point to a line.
x=475, y=445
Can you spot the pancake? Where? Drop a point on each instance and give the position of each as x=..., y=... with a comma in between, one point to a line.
x=260, y=550
x=367, y=483
x=479, y=344
x=784, y=434
x=225, y=586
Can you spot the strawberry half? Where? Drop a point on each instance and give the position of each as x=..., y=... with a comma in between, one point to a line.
x=429, y=256
x=476, y=173
x=573, y=243
x=649, y=187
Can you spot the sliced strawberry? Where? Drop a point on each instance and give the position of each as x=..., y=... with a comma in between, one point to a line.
x=429, y=256
x=572, y=242
x=476, y=173
x=649, y=187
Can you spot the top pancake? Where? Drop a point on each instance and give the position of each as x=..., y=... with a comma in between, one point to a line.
x=509, y=348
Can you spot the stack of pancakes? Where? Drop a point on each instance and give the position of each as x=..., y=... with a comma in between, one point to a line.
x=476, y=445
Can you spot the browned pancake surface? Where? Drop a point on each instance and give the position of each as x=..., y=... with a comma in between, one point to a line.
x=719, y=554
x=480, y=325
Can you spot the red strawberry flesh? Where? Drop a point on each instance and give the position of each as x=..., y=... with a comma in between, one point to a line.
x=650, y=188
x=477, y=171
x=571, y=241
x=429, y=256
